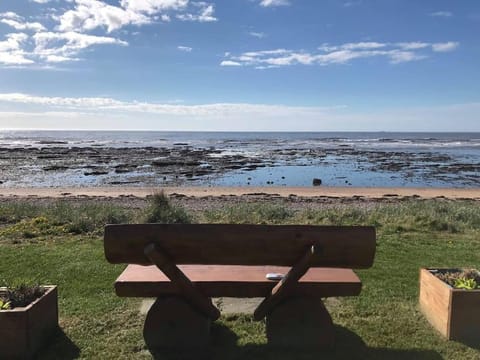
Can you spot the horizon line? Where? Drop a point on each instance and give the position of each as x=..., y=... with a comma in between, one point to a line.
x=242, y=131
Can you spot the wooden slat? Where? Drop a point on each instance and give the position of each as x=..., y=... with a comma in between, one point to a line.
x=287, y=284
x=344, y=247
x=235, y=281
x=182, y=282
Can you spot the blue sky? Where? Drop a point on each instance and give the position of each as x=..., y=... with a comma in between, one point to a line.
x=306, y=65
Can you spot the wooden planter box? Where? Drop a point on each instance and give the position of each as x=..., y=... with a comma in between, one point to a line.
x=455, y=313
x=23, y=330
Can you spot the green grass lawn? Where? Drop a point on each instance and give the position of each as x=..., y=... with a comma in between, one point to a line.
x=61, y=243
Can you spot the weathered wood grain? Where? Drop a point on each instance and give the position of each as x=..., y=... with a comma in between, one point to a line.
x=286, y=285
x=235, y=281
x=223, y=244
x=455, y=313
x=25, y=330
x=434, y=301
x=185, y=286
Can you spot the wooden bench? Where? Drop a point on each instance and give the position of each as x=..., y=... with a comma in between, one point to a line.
x=184, y=266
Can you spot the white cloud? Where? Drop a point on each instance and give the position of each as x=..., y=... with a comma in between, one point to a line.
x=17, y=25
x=90, y=14
x=64, y=46
x=258, y=35
x=79, y=18
x=444, y=14
x=110, y=104
x=41, y=1
x=48, y=47
x=338, y=54
x=205, y=13
x=414, y=45
x=153, y=6
x=445, y=47
x=184, y=48
x=269, y=3
x=230, y=63
x=11, y=52
x=363, y=45
x=29, y=111
x=399, y=56
x=11, y=15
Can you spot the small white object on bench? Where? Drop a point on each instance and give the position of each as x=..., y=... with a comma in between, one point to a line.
x=274, y=276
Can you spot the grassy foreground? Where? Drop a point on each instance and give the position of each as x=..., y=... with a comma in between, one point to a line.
x=61, y=243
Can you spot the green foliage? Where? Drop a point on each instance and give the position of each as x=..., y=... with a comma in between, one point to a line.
x=467, y=284
x=467, y=279
x=25, y=221
x=4, y=304
x=250, y=214
x=160, y=210
x=20, y=294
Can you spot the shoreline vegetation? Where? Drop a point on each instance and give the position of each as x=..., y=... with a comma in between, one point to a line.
x=58, y=240
x=331, y=192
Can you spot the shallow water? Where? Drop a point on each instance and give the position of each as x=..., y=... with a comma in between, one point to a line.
x=80, y=158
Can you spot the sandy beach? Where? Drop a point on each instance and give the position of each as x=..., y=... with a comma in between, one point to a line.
x=199, y=192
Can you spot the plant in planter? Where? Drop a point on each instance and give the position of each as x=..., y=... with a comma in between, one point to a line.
x=450, y=300
x=28, y=316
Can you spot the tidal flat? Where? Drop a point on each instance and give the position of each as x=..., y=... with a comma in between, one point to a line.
x=139, y=159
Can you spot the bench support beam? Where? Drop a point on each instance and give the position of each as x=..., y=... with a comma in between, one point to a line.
x=285, y=286
x=176, y=276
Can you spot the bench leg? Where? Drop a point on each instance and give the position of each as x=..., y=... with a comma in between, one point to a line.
x=300, y=322
x=172, y=323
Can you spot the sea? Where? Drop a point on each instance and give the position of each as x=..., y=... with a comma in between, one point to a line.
x=363, y=159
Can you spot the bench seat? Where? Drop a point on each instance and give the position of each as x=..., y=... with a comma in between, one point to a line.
x=235, y=281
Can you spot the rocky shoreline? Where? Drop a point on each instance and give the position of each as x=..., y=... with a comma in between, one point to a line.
x=181, y=164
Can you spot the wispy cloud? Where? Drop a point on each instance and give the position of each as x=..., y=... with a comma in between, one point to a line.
x=445, y=47
x=184, y=48
x=338, y=54
x=65, y=46
x=258, y=35
x=21, y=49
x=204, y=13
x=444, y=14
x=272, y=3
x=230, y=63
x=24, y=110
x=18, y=22
x=103, y=103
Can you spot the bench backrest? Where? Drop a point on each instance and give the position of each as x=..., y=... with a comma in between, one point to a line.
x=224, y=244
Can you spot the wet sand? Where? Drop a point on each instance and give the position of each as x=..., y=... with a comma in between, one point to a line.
x=199, y=192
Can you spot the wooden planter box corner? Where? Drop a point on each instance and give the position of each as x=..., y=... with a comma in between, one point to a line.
x=24, y=330
x=455, y=313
